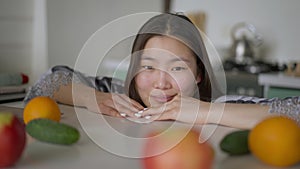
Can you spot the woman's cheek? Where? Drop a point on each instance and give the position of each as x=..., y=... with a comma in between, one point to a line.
x=186, y=84
x=143, y=86
x=143, y=81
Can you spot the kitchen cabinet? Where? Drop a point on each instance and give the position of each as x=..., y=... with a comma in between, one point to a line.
x=279, y=85
x=243, y=83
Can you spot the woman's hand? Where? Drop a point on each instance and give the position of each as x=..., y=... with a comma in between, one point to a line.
x=180, y=108
x=96, y=101
x=113, y=104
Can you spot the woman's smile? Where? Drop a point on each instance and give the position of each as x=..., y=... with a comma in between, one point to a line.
x=162, y=98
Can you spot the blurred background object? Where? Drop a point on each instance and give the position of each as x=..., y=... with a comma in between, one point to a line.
x=245, y=39
x=198, y=18
x=293, y=69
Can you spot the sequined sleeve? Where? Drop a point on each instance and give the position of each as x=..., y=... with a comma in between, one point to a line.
x=57, y=76
x=289, y=106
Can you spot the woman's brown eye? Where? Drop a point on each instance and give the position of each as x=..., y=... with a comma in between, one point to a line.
x=178, y=68
x=147, y=67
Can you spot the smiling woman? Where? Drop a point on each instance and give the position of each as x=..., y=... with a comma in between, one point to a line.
x=176, y=34
x=167, y=68
x=169, y=78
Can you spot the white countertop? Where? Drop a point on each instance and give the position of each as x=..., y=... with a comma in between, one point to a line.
x=279, y=80
x=86, y=154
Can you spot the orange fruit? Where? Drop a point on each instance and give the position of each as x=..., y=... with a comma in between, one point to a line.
x=276, y=141
x=41, y=107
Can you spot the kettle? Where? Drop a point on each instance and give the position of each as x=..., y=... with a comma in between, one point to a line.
x=245, y=38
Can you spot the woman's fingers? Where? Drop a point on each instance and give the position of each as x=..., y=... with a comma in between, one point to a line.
x=162, y=116
x=129, y=101
x=121, y=104
x=125, y=106
x=123, y=101
x=114, y=105
x=154, y=111
x=169, y=107
x=109, y=111
x=164, y=112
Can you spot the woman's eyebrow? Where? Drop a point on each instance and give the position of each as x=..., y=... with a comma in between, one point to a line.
x=175, y=59
x=180, y=59
x=146, y=57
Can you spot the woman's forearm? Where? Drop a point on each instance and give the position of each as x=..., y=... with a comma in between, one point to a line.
x=73, y=94
x=243, y=116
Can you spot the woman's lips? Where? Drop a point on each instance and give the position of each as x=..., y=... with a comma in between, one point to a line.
x=162, y=99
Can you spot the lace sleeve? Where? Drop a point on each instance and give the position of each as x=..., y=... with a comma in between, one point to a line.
x=48, y=84
x=289, y=106
x=57, y=76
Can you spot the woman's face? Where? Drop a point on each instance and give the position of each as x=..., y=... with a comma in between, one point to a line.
x=167, y=68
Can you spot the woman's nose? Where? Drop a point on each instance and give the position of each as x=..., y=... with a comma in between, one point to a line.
x=162, y=81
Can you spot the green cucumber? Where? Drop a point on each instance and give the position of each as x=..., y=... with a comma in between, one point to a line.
x=50, y=131
x=235, y=143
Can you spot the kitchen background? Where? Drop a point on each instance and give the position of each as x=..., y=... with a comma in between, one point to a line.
x=38, y=34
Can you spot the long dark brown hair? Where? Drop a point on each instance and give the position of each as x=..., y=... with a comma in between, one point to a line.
x=181, y=28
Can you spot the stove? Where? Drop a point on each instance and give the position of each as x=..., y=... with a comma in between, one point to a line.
x=254, y=67
x=242, y=78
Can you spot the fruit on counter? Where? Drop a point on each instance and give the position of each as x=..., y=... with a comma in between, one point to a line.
x=41, y=107
x=50, y=131
x=187, y=153
x=276, y=141
x=235, y=143
x=12, y=139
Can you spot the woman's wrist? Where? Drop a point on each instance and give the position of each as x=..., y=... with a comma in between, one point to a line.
x=80, y=94
x=207, y=113
x=214, y=112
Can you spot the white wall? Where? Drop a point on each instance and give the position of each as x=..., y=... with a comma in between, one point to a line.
x=16, y=23
x=278, y=22
x=72, y=22
x=38, y=34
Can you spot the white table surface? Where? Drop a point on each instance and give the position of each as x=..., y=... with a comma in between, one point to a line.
x=86, y=154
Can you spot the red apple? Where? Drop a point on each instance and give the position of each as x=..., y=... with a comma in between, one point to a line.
x=12, y=139
x=177, y=149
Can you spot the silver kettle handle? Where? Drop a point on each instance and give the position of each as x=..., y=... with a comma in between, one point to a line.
x=256, y=38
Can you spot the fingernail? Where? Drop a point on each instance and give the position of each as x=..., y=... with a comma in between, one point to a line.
x=142, y=111
x=123, y=114
x=138, y=114
x=147, y=117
